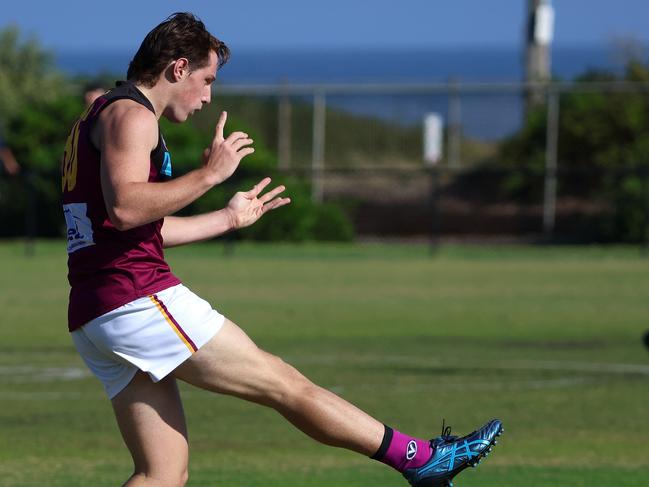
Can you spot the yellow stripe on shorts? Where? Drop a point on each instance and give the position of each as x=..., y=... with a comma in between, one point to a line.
x=173, y=323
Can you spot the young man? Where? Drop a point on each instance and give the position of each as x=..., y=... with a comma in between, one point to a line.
x=138, y=328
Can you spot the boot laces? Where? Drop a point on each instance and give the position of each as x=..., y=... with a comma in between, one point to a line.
x=445, y=436
x=446, y=430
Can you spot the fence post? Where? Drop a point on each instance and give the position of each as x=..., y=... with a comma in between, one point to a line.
x=644, y=244
x=318, y=154
x=284, y=130
x=30, y=213
x=551, y=163
x=434, y=213
x=454, y=126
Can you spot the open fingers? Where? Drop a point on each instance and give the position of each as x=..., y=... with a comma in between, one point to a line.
x=235, y=137
x=244, y=152
x=276, y=203
x=271, y=194
x=259, y=187
x=239, y=143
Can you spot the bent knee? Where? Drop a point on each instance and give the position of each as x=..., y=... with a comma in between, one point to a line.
x=288, y=383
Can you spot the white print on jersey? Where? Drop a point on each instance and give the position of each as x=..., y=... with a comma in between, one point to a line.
x=79, y=226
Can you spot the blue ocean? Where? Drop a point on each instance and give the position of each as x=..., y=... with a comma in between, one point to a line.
x=483, y=116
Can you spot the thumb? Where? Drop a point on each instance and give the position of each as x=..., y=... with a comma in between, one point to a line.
x=206, y=155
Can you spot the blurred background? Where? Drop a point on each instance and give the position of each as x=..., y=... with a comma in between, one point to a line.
x=467, y=237
x=515, y=120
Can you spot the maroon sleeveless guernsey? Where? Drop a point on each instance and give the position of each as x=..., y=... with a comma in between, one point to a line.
x=107, y=268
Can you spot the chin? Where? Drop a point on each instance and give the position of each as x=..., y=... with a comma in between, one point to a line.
x=173, y=118
x=185, y=117
x=176, y=116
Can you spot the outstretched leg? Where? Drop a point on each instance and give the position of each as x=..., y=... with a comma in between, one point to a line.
x=232, y=364
x=151, y=419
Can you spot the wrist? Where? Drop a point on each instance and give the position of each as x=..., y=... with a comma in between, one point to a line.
x=210, y=177
x=231, y=218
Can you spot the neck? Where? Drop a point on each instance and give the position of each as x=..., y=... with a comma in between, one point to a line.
x=155, y=96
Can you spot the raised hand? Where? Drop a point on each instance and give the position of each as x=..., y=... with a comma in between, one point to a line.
x=246, y=207
x=223, y=156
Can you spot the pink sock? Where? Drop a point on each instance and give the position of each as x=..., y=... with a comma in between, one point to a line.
x=402, y=451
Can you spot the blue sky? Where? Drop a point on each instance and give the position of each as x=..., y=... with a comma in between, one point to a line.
x=121, y=24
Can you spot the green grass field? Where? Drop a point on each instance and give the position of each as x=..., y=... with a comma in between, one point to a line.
x=547, y=339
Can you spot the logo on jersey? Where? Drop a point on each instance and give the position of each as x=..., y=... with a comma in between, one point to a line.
x=411, y=450
x=79, y=226
x=166, y=165
x=165, y=169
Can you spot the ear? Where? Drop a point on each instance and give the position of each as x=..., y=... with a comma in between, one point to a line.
x=180, y=68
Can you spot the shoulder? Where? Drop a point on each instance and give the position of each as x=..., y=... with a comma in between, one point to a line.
x=128, y=113
x=126, y=119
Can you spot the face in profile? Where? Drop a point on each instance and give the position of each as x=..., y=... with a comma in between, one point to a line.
x=194, y=90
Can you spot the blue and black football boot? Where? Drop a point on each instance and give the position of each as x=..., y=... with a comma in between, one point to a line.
x=451, y=455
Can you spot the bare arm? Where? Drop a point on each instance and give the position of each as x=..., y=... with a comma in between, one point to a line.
x=181, y=230
x=243, y=210
x=126, y=134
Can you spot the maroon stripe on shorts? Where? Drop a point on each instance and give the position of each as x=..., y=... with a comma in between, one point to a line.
x=176, y=324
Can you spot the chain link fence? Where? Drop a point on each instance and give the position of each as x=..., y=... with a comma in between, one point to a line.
x=362, y=147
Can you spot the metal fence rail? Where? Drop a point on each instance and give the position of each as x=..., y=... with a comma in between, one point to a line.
x=455, y=94
x=385, y=185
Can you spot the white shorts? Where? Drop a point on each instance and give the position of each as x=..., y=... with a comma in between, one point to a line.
x=154, y=334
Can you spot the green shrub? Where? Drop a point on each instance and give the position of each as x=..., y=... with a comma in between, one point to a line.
x=332, y=224
x=629, y=222
x=38, y=133
x=300, y=221
x=603, y=152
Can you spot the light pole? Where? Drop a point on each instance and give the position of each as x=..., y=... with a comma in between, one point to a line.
x=538, y=39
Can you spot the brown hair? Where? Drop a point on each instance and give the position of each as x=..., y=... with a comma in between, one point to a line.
x=180, y=35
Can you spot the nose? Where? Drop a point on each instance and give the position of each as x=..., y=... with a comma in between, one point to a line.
x=207, y=95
